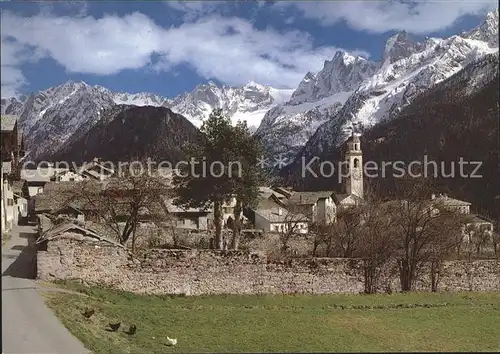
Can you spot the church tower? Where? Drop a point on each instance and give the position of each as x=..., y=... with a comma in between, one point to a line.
x=354, y=160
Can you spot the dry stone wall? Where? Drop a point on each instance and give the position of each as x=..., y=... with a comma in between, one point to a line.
x=193, y=272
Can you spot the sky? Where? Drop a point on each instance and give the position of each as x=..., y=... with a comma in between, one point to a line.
x=169, y=47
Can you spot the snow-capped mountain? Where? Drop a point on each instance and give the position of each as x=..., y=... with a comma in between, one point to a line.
x=250, y=102
x=286, y=128
x=50, y=117
x=487, y=31
x=407, y=69
x=318, y=115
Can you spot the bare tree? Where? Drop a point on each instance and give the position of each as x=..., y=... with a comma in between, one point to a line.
x=348, y=231
x=426, y=230
x=292, y=226
x=122, y=202
x=376, y=243
x=495, y=239
x=325, y=235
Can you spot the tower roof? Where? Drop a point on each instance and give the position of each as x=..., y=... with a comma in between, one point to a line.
x=354, y=138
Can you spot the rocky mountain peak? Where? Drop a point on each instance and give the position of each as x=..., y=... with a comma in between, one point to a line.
x=343, y=73
x=400, y=46
x=253, y=86
x=487, y=31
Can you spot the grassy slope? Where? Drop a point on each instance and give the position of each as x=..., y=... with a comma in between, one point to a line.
x=461, y=322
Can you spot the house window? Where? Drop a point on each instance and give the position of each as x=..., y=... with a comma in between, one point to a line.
x=10, y=202
x=72, y=179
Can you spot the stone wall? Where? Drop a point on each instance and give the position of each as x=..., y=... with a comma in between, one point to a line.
x=194, y=272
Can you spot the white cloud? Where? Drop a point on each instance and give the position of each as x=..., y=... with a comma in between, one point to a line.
x=420, y=17
x=195, y=9
x=228, y=49
x=12, y=54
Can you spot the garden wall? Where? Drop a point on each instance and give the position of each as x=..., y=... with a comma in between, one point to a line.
x=192, y=272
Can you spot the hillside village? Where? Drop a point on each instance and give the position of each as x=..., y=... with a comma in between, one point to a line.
x=47, y=195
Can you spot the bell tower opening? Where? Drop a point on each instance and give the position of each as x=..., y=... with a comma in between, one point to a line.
x=354, y=160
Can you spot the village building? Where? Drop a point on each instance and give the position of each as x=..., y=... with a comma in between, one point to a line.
x=13, y=202
x=318, y=206
x=189, y=218
x=67, y=176
x=272, y=215
x=9, y=216
x=97, y=170
x=75, y=243
x=12, y=142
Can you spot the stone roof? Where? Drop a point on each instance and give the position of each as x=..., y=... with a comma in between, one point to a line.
x=478, y=219
x=70, y=186
x=284, y=191
x=42, y=174
x=449, y=202
x=341, y=197
x=266, y=192
x=46, y=203
x=56, y=195
x=307, y=198
x=269, y=209
x=8, y=122
x=172, y=208
x=60, y=230
x=93, y=174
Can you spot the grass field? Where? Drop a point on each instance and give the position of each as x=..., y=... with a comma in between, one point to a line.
x=398, y=322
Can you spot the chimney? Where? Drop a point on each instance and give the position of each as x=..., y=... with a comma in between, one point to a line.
x=300, y=199
x=280, y=211
x=433, y=196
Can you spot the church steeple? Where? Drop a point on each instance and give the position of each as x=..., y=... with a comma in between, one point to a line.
x=354, y=159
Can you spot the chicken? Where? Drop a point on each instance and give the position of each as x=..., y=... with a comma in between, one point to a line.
x=171, y=341
x=132, y=330
x=114, y=326
x=88, y=313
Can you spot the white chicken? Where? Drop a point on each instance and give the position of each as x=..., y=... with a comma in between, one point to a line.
x=171, y=341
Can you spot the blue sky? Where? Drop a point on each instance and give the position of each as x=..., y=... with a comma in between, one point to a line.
x=170, y=47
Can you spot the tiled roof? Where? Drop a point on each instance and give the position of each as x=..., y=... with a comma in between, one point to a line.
x=306, y=198
x=8, y=122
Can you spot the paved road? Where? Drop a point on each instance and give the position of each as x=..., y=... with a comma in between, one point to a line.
x=28, y=326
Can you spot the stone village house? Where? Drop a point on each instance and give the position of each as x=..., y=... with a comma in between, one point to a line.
x=64, y=245
x=14, y=202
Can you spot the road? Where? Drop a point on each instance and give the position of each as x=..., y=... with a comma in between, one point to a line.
x=28, y=326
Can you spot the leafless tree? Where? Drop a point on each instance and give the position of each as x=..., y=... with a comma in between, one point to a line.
x=376, y=243
x=348, y=230
x=426, y=229
x=495, y=239
x=324, y=236
x=292, y=226
x=128, y=199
